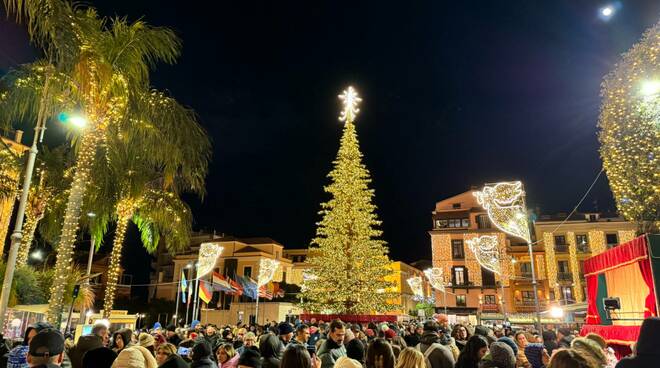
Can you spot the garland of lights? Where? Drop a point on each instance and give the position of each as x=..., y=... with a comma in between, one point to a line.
x=208, y=256
x=551, y=262
x=504, y=203
x=125, y=210
x=597, y=241
x=575, y=266
x=630, y=131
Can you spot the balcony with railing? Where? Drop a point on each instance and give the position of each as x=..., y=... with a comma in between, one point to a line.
x=528, y=304
x=583, y=248
x=561, y=248
x=490, y=308
x=564, y=276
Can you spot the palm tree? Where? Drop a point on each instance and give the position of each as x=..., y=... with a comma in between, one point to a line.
x=45, y=196
x=134, y=187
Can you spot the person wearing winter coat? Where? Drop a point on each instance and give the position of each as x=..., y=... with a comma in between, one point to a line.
x=201, y=356
x=135, y=357
x=84, y=344
x=471, y=355
x=167, y=357
x=501, y=356
x=226, y=356
x=17, y=357
x=121, y=339
x=646, y=353
x=439, y=356
x=269, y=346
x=333, y=348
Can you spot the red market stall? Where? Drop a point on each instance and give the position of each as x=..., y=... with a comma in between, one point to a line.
x=624, y=272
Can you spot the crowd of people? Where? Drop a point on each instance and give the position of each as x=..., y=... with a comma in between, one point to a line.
x=335, y=344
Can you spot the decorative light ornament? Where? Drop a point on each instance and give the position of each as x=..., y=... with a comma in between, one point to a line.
x=486, y=251
x=267, y=268
x=416, y=287
x=436, y=278
x=350, y=100
x=208, y=255
x=307, y=276
x=505, y=205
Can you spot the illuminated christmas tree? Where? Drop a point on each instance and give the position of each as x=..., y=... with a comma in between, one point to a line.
x=630, y=132
x=347, y=263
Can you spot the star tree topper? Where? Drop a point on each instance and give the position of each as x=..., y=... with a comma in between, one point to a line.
x=350, y=100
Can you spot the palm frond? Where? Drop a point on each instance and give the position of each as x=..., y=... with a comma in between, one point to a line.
x=163, y=214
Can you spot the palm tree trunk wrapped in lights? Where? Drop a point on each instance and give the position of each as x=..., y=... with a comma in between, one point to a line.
x=84, y=163
x=125, y=210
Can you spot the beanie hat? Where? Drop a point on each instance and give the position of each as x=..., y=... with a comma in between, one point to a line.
x=193, y=335
x=135, y=357
x=502, y=354
x=507, y=340
x=389, y=333
x=564, y=331
x=157, y=325
x=146, y=340
x=284, y=328
x=250, y=358
x=346, y=362
x=201, y=350
x=171, y=327
x=589, y=347
x=355, y=350
x=533, y=353
x=99, y=358
x=194, y=324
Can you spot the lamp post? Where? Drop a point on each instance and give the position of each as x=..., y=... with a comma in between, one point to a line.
x=17, y=235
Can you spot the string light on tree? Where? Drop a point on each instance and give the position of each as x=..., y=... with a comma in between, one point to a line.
x=629, y=133
x=347, y=258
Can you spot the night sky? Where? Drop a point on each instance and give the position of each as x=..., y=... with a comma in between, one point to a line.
x=455, y=94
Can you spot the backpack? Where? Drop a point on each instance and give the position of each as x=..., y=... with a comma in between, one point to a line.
x=427, y=353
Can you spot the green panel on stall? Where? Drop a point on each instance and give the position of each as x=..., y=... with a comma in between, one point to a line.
x=600, y=295
x=654, y=251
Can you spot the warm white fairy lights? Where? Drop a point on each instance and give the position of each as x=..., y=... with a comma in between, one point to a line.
x=267, y=268
x=208, y=256
x=415, y=284
x=505, y=204
x=486, y=251
x=350, y=101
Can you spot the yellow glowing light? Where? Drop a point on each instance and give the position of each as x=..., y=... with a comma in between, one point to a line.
x=350, y=101
x=208, y=255
x=556, y=312
x=485, y=250
x=416, y=286
x=267, y=268
x=505, y=204
x=650, y=88
x=436, y=278
x=78, y=121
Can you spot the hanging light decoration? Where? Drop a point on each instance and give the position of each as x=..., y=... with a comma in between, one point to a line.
x=267, y=268
x=208, y=255
x=416, y=287
x=436, y=278
x=485, y=249
x=505, y=204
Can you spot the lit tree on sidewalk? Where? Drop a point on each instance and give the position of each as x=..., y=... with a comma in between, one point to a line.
x=630, y=131
x=347, y=263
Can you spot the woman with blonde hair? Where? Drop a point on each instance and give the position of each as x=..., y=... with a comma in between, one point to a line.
x=167, y=357
x=411, y=358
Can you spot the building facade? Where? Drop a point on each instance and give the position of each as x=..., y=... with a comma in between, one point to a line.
x=559, y=253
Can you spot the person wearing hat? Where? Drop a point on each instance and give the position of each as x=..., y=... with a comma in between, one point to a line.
x=201, y=356
x=285, y=334
x=99, y=358
x=438, y=355
x=249, y=359
x=171, y=335
x=148, y=342
x=17, y=357
x=46, y=349
x=135, y=357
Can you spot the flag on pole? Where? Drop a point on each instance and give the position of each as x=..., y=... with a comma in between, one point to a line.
x=265, y=293
x=221, y=283
x=237, y=289
x=190, y=292
x=184, y=286
x=204, y=293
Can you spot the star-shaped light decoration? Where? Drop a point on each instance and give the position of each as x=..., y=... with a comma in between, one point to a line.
x=350, y=101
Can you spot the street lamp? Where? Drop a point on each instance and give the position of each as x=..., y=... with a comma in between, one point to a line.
x=606, y=12
x=17, y=234
x=37, y=255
